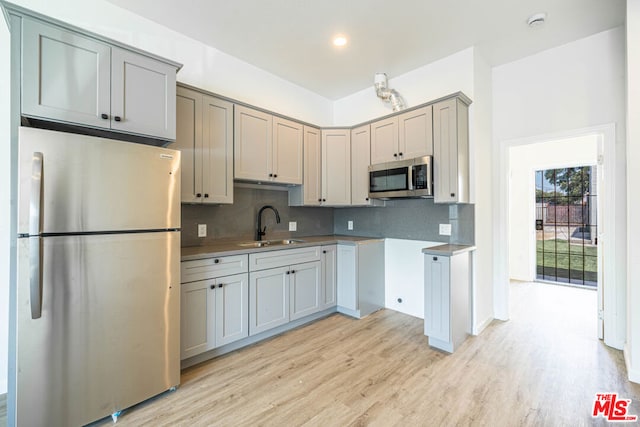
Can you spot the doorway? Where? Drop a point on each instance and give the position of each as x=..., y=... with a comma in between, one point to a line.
x=566, y=226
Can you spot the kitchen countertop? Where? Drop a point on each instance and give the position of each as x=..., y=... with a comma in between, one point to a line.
x=231, y=246
x=448, y=250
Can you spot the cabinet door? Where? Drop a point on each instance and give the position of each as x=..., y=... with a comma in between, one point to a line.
x=445, y=152
x=347, y=291
x=252, y=144
x=436, y=297
x=143, y=95
x=360, y=161
x=232, y=311
x=384, y=141
x=189, y=142
x=217, y=150
x=268, y=299
x=329, y=276
x=305, y=289
x=312, y=167
x=65, y=76
x=287, y=151
x=197, y=318
x=416, y=133
x=336, y=167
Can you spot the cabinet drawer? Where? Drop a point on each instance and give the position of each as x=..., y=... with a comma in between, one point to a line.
x=281, y=258
x=209, y=268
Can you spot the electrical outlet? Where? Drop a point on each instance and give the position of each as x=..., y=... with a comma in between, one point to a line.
x=349, y=225
x=293, y=226
x=445, y=229
x=202, y=230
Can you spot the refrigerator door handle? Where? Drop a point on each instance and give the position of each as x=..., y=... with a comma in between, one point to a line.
x=35, y=239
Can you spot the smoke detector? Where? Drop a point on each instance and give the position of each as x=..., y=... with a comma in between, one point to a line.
x=537, y=19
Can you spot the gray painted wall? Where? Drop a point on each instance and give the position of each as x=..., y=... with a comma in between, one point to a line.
x=414, y=219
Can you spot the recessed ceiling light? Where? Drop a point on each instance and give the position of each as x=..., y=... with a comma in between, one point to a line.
x=537, y=19
x=339, y=41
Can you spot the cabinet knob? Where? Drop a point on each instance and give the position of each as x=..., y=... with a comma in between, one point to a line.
x=216, y=261
x=453, y=194
x=319, y=200
x=435, y=258
x=198, y=195
x=117, y=118
x=288, y=272
x=104, y=116
x=275, y=175
x=395, y=154
x=293, y=271
x=213, y=286
x=220, y=285
x=270, y=175
x=324, y=252
x=206, y=195
x=400, y=153
x=366, y=199
x=324, y=200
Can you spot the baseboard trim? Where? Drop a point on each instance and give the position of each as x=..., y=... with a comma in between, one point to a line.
x=632, y=374
x=478, y=328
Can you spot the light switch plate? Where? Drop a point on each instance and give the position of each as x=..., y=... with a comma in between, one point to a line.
x=445, y=229
x=202, y=230
x=349, y=225
x=293, y=226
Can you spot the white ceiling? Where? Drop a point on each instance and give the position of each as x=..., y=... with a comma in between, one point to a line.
x=292, y=38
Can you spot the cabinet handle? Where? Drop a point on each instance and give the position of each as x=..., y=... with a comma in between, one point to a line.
x=117, y=119
x=198, y=195
x=435, y=258
x=213, y=286
x=104, y=116
x=216, y=261
x=453, y=194
x=206, y=195
x=220, y=285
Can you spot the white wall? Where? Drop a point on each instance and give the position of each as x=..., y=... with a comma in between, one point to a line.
x=575, y=86
x=523, y=162
x=448, y=75
x=5, y=187
x=204, y=67
x=632, y=350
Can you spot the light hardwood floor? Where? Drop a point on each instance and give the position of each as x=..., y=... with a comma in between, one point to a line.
x=541, y=368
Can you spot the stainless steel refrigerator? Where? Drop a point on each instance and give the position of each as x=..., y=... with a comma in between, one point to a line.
x=98, y=289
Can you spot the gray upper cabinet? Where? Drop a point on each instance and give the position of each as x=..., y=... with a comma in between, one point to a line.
x=310, y=192
x=77, y=79
x=405, y=136
x=336, y=167
x=360, y=160
x=205, y=137
x=267, y=148
x=451, y=151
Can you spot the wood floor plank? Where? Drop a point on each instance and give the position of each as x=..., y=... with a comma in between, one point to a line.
x=542, y=367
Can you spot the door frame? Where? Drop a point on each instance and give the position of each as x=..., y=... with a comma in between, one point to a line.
x=611, y=288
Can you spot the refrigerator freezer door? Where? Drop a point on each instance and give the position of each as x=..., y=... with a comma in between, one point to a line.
x=108, y=337
x=94, y=184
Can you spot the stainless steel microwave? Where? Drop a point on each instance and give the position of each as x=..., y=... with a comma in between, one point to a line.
x=401, y=179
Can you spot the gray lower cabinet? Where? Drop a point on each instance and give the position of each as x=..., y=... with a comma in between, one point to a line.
x=79, y=79
x=268, y=299
x=329, y=276
x=213, y=313
x=305, y=285
x=360, y=277
x=446, y=299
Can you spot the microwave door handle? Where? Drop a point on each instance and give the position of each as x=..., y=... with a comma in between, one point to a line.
x=412, y=178
x=35, y=237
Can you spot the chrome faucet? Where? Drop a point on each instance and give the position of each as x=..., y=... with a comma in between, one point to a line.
x=262, y=231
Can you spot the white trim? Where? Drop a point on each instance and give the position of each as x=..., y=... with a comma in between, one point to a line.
x=632, y=374
x=477, y=329
x=606, y=148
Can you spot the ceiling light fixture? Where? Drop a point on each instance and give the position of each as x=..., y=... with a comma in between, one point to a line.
x=386, y=94
x=339, y=41
x=537, y=19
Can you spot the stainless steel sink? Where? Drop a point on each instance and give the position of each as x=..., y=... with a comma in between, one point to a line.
x=264, y=243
